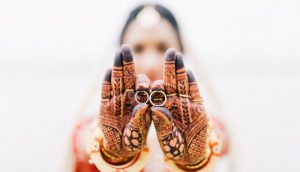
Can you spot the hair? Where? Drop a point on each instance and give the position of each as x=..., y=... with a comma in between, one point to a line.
x=163, y=12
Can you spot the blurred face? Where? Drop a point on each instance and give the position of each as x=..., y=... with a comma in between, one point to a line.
x=149, y=45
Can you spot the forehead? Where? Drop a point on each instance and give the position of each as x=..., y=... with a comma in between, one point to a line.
x=162, y=32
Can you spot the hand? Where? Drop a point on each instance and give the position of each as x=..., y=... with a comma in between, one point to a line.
x=181, y=124
x=124, y=123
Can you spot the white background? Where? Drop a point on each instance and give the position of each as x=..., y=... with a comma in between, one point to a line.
x=51, y=53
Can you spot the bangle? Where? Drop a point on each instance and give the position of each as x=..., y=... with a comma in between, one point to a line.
x=101, y=158
x=199, y=165
x=111, y=158
x=208, y=163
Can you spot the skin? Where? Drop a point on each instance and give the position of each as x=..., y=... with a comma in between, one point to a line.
x=181, y=124
x=123, y=121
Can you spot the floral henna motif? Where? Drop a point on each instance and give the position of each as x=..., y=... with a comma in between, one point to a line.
x=124, y=123
x=132, y=139
x=182, y=124
x=173, y=144
x=135, y=133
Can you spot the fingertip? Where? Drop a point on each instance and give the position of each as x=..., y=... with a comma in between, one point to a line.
x=191, y=76
x=125, y=46
x=142, y=82
x=157, y=85
x=118, y=62
x=162, y=111
x=141, y=106
x=107, y=75
x=179, y=61
x=170, y=54
x=126, y=53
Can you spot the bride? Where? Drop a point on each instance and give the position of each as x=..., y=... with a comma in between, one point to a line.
x=149, y=82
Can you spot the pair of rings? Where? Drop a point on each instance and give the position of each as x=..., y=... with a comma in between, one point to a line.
x=160, y=101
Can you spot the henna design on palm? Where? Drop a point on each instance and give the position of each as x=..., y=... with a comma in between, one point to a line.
x=124, y=123
x=181, y=124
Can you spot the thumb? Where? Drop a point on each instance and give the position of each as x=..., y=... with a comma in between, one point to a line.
x=135, y=131
x=168, y=135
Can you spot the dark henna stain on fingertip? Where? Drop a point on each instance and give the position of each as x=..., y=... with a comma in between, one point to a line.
x=170, y=54
x=126, y=53
x=107, y=75
x=156, y=89
x=141, y=88
x=179, y=61
x=125, y=46
x=158, y=85
x=118, y=62
x=191, y=76
x=142, y=82
x=164, y=111
x=138, y=107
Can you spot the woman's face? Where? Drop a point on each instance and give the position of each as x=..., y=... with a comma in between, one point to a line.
x=149, y=45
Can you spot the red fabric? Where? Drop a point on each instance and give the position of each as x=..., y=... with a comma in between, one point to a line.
x=85, y=167
x=81, y=164
x=222, y=132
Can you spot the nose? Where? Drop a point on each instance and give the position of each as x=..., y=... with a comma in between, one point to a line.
x=150, y=60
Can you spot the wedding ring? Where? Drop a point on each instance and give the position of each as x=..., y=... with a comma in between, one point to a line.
x=141, y=92
x=158, y=92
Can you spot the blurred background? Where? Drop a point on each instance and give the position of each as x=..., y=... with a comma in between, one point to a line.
x=51, y=53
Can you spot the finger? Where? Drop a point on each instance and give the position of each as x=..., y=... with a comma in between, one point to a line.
x=106, y=120
x=142, y=84
x=196, y=137
x=157, y=85
x=134, y=133
x=181, y=76
x=106, y=86
x=128, y=79
x=117, y=84
x=169, y=72
x=168, y=135
x=105, y=94
x=183, y=90
x=194, y=90
x=129, y=69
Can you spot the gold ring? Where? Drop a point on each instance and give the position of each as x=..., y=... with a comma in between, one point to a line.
x=198, y=100
x=169, y=95
x=165, y=96
x=145, y=92
x=184, y=95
